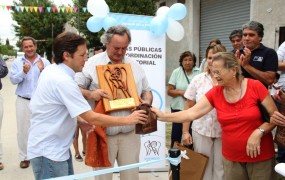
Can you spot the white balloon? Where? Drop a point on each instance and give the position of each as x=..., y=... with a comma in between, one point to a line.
x=280, y=168
x=175, y=30
x=98, y=8
x=162, y=11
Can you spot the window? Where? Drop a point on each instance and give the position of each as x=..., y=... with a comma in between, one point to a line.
x=281, y=35
x=181, y=1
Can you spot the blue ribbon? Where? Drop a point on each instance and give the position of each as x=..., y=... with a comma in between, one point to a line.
x=105, y=171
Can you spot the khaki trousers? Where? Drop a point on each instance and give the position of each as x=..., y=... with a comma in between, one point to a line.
x=211, y=147
x=125, y=148
x=23, y=116
x=263, y=170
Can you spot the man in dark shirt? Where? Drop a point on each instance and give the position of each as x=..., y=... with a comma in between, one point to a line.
x=258, y=61
x=236, y=40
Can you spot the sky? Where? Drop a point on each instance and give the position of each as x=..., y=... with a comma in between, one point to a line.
x=6, y=29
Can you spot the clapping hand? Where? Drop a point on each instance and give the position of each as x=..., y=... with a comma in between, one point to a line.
x=243, y=59
x=26, y=67
x=41, y=65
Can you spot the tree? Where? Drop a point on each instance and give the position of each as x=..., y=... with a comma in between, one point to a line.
x=139, y=7
x=44, y=26
x=7, y=50
x=7, y=42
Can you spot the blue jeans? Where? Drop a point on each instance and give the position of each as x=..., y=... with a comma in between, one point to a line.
x=45, y=168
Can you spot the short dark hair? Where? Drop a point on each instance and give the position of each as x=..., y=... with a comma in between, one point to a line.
x=66, y=42
x=99, y=47
x=186, y=54
x=235, y=33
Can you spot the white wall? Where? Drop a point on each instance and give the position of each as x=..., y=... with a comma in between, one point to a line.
x=271, y=14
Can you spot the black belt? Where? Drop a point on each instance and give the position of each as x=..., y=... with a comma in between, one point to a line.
x=25, y=98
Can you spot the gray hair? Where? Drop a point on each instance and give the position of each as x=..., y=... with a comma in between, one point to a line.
x=255, y=26
x=120, y=30
x=230, y=61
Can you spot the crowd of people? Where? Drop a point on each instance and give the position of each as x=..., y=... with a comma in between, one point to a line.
x=222, y=97
x=224, y=104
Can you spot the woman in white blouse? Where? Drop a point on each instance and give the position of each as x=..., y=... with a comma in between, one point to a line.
x=206, y=131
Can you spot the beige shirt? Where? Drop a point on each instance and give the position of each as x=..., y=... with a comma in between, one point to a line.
x=88, y=79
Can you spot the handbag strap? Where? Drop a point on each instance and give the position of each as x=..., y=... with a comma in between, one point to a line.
x=186, y=76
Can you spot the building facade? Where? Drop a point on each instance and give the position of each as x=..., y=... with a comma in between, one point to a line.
x=210, y=19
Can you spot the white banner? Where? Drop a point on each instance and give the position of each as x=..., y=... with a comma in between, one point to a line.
x=149, y=51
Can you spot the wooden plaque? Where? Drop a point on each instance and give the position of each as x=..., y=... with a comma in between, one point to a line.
x=118, y=81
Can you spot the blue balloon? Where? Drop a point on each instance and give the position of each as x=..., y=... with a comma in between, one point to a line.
x=158, y=25
x=177, y=11
x=94, y=24
x=108, y=22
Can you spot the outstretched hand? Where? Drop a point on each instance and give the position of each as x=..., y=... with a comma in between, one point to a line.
x=138, y=116
x=158, y=113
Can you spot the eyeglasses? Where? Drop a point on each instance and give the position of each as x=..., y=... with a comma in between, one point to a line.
x=217, y=72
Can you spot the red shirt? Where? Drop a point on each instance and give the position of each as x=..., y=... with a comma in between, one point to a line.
x=238, y=120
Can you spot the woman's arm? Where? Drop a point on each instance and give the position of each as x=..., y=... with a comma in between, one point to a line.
x=254, y=140
x=186, y=136
x=197, y=111
x=173, y=92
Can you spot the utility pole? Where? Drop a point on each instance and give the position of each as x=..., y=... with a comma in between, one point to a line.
x=78, y=25
x=52, y=36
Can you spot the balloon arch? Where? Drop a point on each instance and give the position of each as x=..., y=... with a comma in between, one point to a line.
x=165, y=21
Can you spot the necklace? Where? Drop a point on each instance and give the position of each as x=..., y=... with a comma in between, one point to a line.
x=228, y=97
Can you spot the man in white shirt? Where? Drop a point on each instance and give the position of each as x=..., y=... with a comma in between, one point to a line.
x=116, y=40
x=56, y=103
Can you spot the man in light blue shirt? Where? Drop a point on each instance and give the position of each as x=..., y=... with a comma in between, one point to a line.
x=25, y=72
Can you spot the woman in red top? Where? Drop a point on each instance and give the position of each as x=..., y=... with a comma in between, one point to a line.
x=247, y=143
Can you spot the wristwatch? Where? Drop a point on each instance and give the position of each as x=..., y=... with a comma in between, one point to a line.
x=261, y=130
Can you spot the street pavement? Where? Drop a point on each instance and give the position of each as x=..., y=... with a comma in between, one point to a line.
x=12, y=170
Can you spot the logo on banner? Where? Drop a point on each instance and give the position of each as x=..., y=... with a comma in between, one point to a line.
x=152, y=147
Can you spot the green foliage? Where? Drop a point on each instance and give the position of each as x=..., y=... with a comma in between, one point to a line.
x=138, y=7
x=42, y=26
x=7, y=50
x=45, y=26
